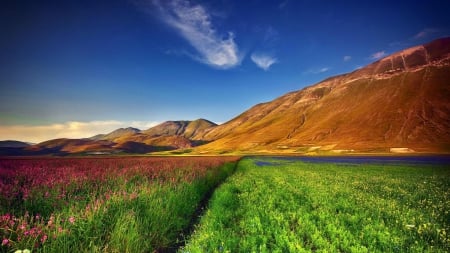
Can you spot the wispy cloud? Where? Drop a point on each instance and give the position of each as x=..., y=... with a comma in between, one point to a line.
x=271, y=37
x=323, y=70
x=425, y=33
x=263, y=61
x=70, y=129
x=377, y=55
x=317, y=71
x=347, y=58
x=194, y=24
x=283, y=4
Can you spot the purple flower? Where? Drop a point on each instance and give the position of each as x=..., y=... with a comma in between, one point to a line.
x=5, y=242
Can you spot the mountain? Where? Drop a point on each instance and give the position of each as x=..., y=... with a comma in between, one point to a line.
x=11, y=147
x=399, y=103
x=180, y=128
x=165, y=136
x=169, y=135
x=118, y=133
x=65, y=146
x=13, y=144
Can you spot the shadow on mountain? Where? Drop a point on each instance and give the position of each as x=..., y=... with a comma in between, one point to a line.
x=141, y=148
x=27, y=152
x=196, y=143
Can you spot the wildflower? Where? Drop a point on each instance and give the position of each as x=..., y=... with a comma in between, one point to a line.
x=5, y=242
x=71, y=219
x=44, y=238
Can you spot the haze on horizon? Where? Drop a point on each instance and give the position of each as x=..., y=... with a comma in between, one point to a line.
x=79, y=68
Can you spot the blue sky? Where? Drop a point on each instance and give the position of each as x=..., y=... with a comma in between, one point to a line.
x=78, y=68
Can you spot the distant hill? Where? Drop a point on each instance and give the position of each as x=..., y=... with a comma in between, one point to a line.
x=118, y=133
x=67, y=146
x=399, y=103
x=169, y=135
x=180, y=128
x=11, y=147
x=13, y=144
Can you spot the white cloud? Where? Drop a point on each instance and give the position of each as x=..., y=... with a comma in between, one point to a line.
x=143, y=124
x=347, y=58
x=377, y=55
x=70, y=129
x=263, y=61
x=425, y=33
x=317, y=71
x=194, y=24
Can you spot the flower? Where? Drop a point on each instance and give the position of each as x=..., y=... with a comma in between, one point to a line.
x=5, y=242
x=44, y=238
x=71, y=219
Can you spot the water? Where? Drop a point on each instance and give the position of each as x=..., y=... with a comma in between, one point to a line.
x=418, y=160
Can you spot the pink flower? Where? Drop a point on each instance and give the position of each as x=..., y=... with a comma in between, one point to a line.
x=5, y=242
x=71, y=219
x=44, y=238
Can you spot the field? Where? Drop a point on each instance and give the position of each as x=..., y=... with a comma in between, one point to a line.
x=123, y=204
x=151, y=204
x=274, y=205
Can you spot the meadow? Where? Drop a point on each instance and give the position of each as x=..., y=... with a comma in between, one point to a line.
x=117, y=204
x=281, y=205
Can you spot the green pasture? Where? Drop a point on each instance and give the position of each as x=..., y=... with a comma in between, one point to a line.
x=272, y=205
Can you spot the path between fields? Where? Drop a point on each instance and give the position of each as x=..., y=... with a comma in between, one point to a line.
x=195, y=219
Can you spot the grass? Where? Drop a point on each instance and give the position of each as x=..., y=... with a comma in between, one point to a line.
x=291, y=206
x=105, y=204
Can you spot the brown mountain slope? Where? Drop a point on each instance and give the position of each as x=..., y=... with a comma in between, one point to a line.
x=118, y=133
x=180, y=128
x=64, y=145
x=166, y=142
x=169, y=135
x=165, y=136
x=399, y=101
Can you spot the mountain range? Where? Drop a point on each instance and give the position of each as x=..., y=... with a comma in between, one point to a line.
x=397, y=104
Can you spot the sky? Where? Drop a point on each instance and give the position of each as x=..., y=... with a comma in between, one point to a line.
x=79, y=68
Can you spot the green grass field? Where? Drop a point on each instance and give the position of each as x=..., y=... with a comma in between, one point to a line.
x=285, y=206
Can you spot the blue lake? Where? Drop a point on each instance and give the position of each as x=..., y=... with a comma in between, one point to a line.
x=419, y=160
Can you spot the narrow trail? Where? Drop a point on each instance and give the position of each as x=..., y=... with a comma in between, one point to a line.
x=195, y=219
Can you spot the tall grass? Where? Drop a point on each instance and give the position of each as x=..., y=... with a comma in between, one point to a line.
x=103, y=205
x=285, y=206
